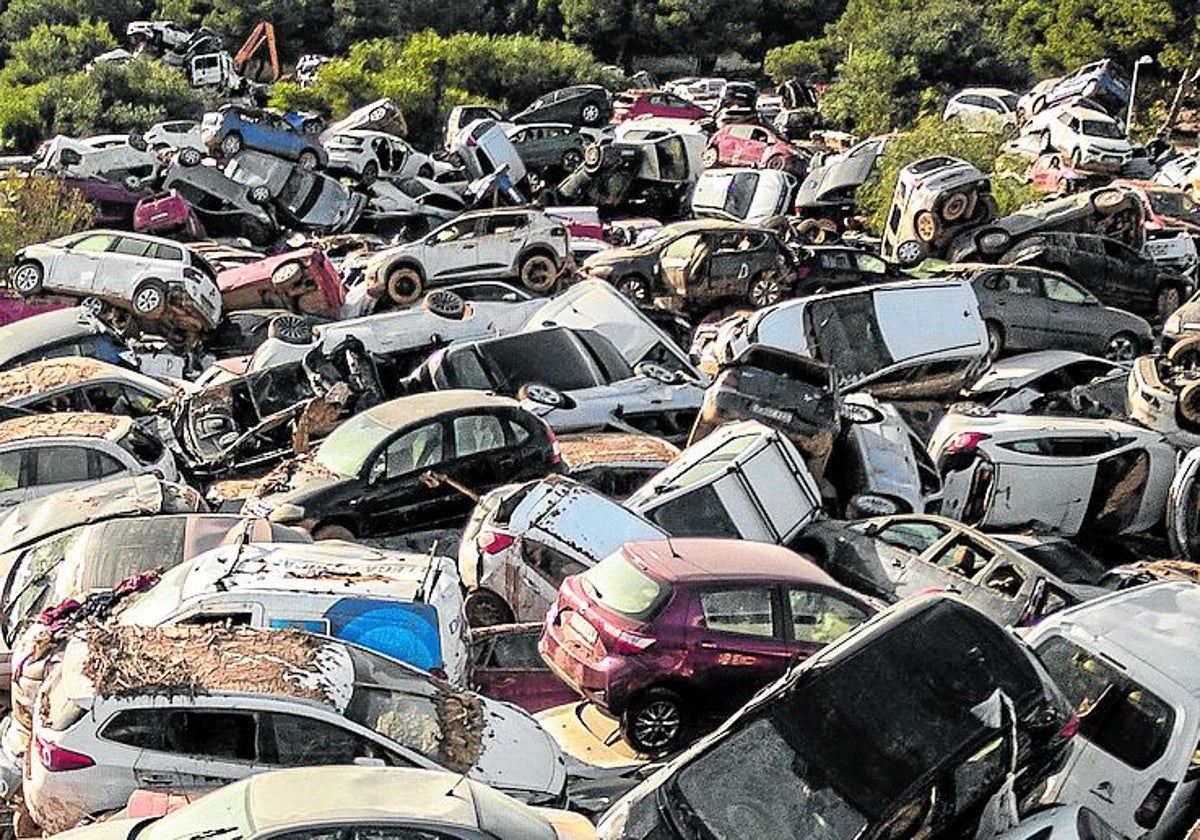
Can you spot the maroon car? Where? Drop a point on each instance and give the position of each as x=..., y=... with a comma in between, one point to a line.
x=303, y=281
x=760, y=146
x=663, y=634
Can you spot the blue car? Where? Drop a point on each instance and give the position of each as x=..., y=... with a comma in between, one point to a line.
x=233, y=128
x=1101, y=81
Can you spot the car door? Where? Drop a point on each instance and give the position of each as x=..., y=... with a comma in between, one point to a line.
x=1043, y=481
x=452, y=250
x=1003, y=591
x=756, y=147
x=76, y=267
x=395, y=493
x=532, y=585
x=674, y=259
x=1132, y=283
x=190, y=747
x=485, y=455
x=955, y=564
x=122, y=265
x=401, y=152
x=872, y=557
x=53, y=467
x=501, y=238
x=732, y=263
x=737, y=139
x=1015, y=298
x=817, y=617
x=1071, y=322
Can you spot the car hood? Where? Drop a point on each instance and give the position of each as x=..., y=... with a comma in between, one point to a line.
x=1019, y=371
x=292, y=482
x=106, y=830
x=518, y=754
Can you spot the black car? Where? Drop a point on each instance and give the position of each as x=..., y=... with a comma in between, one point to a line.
x=1112, y=271
x=549, y=147
x=589, y=105
x=827, y=268
x=924, y=743
x=403, y=465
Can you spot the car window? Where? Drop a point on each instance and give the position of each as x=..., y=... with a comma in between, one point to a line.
x=10, y=470
x=682, y=247
x=870, y=263
x=95, y=243
x=549, y=562
x=916, y=537
x=505, y=224
x=698, y=513
x=477, y=433
x=103, y=465
x=1006, y=579
x=517, y=651
x=131, y=247
x=1063, y=291
x=745, y=612
x=60, y=465
x=295, y=741
x=456, y=232
x=517, y=432
x=167, y=252
x=115, y=398
x=416, y=450
x=962, y=557
x=1016, y=283
x=836, y=260
x=227, y=735
x=394, y=832
x=819, y=618
x=1067, y=447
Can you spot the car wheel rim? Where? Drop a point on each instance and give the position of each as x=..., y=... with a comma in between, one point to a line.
x=657, y=724
x=765, y=293
x=634, y=290
x=231, y=146
x=538, y=274
x=591, y=113
x=542, y=394
x=1120, y=349
x=994, y=344
x=92, y=304
x=260, y=195
x=148, y=300
x=909, y=252
x=26, y=279
x=926, y=227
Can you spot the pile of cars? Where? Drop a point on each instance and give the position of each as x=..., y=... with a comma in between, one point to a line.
x=573, y=479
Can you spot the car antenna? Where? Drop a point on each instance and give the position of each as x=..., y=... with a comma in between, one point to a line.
x=422, y=595
x=674, y=553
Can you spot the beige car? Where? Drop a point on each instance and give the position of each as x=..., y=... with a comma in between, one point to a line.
x=935, y=199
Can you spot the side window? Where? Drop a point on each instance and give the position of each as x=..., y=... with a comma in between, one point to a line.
x=916, y=537
x=517, y=432
x=477, y=433
x=397, y=832
x=1006, y=579
x=963, y=558
x=456, y=232
x=10, y=470
x=550, y=563
x=698, y=513
x=107, y=398
x=167, y=252
x=1064, y=292
x=745, y=612
x=144, y=728
x=60, y=465
x=870, y=263
x=103, y=465
x=819, y=618
x=1017, y=283
x=415, y=450
x=227, y=735
x=131, y=247
x=62, y=401
x=505, y=224
x=93, y=244
x=517, y=651
x=295, y=741
x=681, y=248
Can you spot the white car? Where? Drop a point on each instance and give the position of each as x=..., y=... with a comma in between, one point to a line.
x=242, y=701
x=113, y=158
x=484, y=147
x=369, y=155
x=45, y=453
x=413, y=198
x=149, y=275
x=983, y=107
x=1163, y=394
x=753, y=196
x=1062, y=822
x=1049, y=382
x=405, y=606
x=1063, y=474
x=177, y=134
x=1092, y=139
x=79, y=383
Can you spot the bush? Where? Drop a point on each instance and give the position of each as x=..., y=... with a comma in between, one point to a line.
x=36, y=209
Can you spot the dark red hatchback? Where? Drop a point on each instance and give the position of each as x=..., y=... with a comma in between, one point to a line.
x=665, y=635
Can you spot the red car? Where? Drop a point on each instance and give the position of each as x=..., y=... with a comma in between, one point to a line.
x=659, y=632
x=1167, y=208
x=654, y=103
x=746, y=144
x=165, y=213
x=299, y=281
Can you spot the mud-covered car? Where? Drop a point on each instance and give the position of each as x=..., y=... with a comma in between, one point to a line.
x=304, y=199
x=1049, y=382
x=698, y=266
x=935, y=199
x=1164, y=393
x=642, y=176
x=78, y=383
x=303, y=281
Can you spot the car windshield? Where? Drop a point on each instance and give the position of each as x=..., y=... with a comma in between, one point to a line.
x=346, y=450
x=300, y=192
x=160, y=602
x=847, y=336
x=1010, y=100
x=521, y=359
x=33, y=578
x=1103, y=128
x=220, y=815
x=619, y=586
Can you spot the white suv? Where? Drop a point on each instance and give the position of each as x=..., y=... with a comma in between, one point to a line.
x=149, y=275
x=517, y=242
x=368, y=155
x=1092, y=139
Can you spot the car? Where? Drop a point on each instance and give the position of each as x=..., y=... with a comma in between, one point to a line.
x=615, y=463
x=160, y=34
x=1092, y=140
x=243, y=331
x=518, y=242
x=894, y=557
x=1182, y=323
x=828, y=268
x=1028, y=308
x=935, y=199
x=1101, y=81
x=304, y=199
x=348, y=709
x=1068, y=475
x=48, y=452
x=79, y=383
x=1109, y=269
x=303, y=281
x=175, y=134
x=419, y=202
x=1148, y=761
x=505, y=665
x=983, y=107
x=645, y=171
x=917, y=671
x=1062, y=822
x=1182, y=172
x=167, y=213
x=1050, y=382
x=369, y=155
x=73, y=331
x=233, y=128
x=1051, y=173
x=829, y=188
x=743, y=194
x=590, y=386
x=380, y=115
x=1167, y=209
x=652, y=632
x=113, y=203
x=365, y=479
x=125, y=160
x=549, y=147
x=154, y=278
x=405, y=606
x=633, y=104
x=483, y=148
x=589, y=105
x=224, y=206
x=699, y=266
x=757, y=145
x=462, y=115
x=1161, y=393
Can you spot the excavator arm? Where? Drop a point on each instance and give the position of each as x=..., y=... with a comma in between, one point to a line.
x=262, y=34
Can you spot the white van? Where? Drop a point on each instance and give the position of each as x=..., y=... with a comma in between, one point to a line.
x=1128, y=663
x=912, y=339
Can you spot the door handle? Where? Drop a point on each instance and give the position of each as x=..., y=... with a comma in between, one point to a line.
x=468, y=247
x=157, y=779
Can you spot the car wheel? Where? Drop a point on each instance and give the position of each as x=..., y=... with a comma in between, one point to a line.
x=926, y=226
x=369, y=174
x=545, y=395
x=1076, y=158
x=377, y=114
x=1168, y=301
x=571, y=160
x=28, y=278
x=308, y=159
x=909, y=253
x=593, y=158
x=776, y=162
x=986, y=208
x=259, y=195
x=590, y=114
x=1109, y=201
x=1185, y=353
x=404, y=285
x=858, y=413
x=635, y=288
x=656, y=722
x=231, y=145
x=445, y=304
x=150, y=298
x=1122, y=347
x=710, y=157
x=290, y=329
x=765, y=290
x=94, y=305
x=190, y=157
x=993, y=242
x=287, y=274
x=132, y=183
x=485, y=608
x=1187, y=409
x=333, y=532
x=539, y=273
x=995, y=334
x=865, y=505
x=955, y=207
x=658, y=373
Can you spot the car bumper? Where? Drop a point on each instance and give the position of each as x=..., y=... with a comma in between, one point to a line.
x=601, y=681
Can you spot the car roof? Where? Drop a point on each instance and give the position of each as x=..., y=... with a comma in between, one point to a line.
x=47, y=374
x=700, y=560
x=696, y=225
x=582, y=451
x=304, y=796
x=45, y=328
x=406, y=411
x=986, y=91
x=76, y=424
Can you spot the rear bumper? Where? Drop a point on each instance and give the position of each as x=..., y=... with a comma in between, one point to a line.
x=602, y=682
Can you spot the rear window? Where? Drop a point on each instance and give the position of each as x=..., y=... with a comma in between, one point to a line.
x=141, y=446
x=714, y=463
x=619, y=586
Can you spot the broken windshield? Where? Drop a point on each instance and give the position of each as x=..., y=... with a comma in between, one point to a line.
x=847, y=336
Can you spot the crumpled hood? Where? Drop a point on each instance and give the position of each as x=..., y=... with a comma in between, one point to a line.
x=518, y=754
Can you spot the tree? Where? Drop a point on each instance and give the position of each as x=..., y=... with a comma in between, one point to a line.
x=56, y=49
x=35, y=210
x=614, y=29
x=21, y=17
x=704, y=29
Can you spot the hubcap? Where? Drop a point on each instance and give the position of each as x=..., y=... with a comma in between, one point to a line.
x=926, y=227
x=92, y=304
x=1120, y=349
x=27, y=278
x=765, y=293
x=591, y=112
x=634, y=289
x=542, y=394
x=148, y=300
x=909, y=252
x=657, y=724
x=537, y=273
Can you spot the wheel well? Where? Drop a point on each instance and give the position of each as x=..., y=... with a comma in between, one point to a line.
x=538, y=251
x=404, y=263
x=677, y=686
x=338, y=521
x=994, y=324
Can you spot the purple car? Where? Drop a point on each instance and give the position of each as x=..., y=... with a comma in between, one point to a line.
x=655, y=628
x=113, y=204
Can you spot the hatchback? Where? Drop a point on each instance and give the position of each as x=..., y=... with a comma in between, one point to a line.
x=761, y=146
x=659, y=633
x=234, y=128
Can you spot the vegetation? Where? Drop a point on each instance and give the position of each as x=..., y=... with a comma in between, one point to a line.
x=35, y=210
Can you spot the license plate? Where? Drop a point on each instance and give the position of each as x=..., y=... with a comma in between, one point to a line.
x=582, y=628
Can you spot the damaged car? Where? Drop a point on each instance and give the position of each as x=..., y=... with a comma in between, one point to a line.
x=1049, y=382
x=226, y=207
x=1163, y=395
x=301, y=281
x=935, y=200
x=651, y=175
x=304, y=199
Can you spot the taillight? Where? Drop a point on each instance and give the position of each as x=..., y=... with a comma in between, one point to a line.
x=440, y=673
x=493, y=542
x=1071, y=728
x=57, y=759
x=192, y=274
x=555, y=448
x=623, y=641
x=1151, y=810
x=965, y=441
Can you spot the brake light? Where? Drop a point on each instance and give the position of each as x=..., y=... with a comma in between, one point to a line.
x=555, y=448
x=57, y=759
x=622, y=641
x=493, y=542
x=440, y=673
x=965, y=441
x=192, y=274
x=1071, y=728
x=1151, y=810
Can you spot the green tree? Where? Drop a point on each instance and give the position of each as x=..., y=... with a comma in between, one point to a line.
x=21, y=17
x=35, y=210
x=705, y=29
x=56, y=49
x=615, y=30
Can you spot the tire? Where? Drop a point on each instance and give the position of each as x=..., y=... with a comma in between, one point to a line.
x=1076, y=159
x=1109, y=201
x=590, y=114
x=1185, y=353
x=1168, y=300
x=308, y=159
x=955, y=207
x=150, y=298
x=332, y=532
x=995, y=335
x=710, y=157
x=538, y=273
x=1122, y=347
x=290, y=329
x=484, y=608
x=370, y=174
x=593, y=158
x=986, y=208
x=775, y=163
x=926, y=225
x=445, y=304
x=259, y=195
x=866, y=505
x=94, y=305
x=1038, y=105
x=993, y=241
x=655, y=722
x=28, y=277
x=910, y=253
x=766, y=290
x=231, y=144
x=287, y=274
x=1187, y=409
x=572, y=159
x=404, y=285
x=545, y=395
x=636, y=288
x=190, y=157
x=853, y=412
